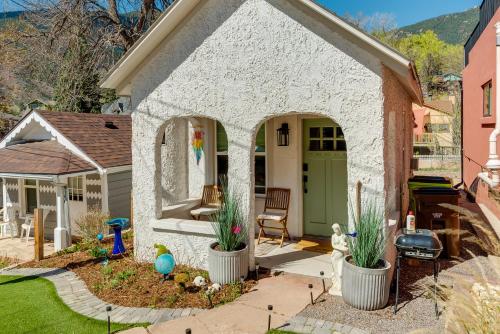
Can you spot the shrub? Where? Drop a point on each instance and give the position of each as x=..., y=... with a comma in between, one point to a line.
x=368, y=246
x=90, y=225
x=228, y=222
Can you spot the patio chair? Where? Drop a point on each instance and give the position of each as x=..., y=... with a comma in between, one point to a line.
x=26, y=227
x=210, y=202
x=10, y=220
x=275, y=211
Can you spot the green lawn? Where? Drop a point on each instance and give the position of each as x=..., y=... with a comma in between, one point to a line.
x=31, y=305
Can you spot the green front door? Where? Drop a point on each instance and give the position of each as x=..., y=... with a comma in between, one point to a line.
x=324, y=176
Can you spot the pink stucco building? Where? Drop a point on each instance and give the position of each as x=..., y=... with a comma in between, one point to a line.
x=481, y=79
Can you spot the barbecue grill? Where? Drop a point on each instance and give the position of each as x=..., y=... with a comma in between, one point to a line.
x=421, y=245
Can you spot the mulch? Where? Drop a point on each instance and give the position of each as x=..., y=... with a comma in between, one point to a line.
x=129, y=283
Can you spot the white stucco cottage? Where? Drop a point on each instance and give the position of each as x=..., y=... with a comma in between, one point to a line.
x=232, y=73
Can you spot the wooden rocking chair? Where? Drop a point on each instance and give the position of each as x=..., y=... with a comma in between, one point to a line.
x=276, y=211
x=210, y=202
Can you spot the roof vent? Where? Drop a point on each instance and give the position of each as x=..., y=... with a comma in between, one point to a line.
x=110, y=125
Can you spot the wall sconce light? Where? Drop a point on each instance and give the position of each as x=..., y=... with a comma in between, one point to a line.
x=283, y=135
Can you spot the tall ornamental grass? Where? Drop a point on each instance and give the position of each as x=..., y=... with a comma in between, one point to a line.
x=368, y=246
x=228, y=223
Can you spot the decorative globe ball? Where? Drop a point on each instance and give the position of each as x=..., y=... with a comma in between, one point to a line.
x=165, y=264
x=100, y=236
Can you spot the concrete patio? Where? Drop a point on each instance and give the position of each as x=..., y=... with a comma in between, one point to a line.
x=290, y=259
x=17, y=249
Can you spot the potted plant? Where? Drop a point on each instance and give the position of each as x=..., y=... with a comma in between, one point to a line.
x=228, y=256
x=365, y=274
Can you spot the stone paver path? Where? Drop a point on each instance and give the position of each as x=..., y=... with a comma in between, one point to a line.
x=305, y=325
x=288, y=294
x=75, y=294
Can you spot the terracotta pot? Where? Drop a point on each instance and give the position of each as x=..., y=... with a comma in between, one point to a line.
x=227, y=267
x=364, y=288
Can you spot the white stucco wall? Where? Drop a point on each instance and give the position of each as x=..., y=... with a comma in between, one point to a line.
x=242, y=62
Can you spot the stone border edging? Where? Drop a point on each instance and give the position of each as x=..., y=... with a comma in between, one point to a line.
x=305, y=325
x=75, y=294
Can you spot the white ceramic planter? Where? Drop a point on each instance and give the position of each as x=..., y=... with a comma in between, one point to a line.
x=363, y=288
x=227, y=267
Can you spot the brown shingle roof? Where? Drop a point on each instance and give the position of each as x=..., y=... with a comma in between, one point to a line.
x=108, y=147
x=46, y=157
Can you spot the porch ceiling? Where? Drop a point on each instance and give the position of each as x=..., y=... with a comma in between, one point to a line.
x=46, y=157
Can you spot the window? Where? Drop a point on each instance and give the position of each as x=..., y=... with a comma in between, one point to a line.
x=328, y=138
x=437, y=128
x=487, y=99
x=75, y=188
x=260, y=157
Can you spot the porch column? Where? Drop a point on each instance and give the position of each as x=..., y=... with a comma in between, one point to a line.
x=241, y=179
x=4, y=198
x=61, y=235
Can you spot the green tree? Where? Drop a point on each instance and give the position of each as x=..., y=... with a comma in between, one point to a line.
x=432, y=57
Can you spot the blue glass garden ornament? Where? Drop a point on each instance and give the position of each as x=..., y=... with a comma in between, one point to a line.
x=118, y=224
x=165, y=264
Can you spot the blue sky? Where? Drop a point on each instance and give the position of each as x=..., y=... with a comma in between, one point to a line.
x=405, y=11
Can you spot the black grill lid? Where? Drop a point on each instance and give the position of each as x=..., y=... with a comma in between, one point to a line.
x=420, y=239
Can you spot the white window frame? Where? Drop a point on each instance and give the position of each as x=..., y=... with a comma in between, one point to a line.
x=80, y=187
x=226, y=153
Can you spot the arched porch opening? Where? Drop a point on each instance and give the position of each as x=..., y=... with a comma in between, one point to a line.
x=312, y=164
x=190, y=159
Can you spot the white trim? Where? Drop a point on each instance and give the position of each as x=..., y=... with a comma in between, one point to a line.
x=22, y=195
x=117, y=77
x=61, y=139
x=4, y=193
x=117, y=169
x=104, y=193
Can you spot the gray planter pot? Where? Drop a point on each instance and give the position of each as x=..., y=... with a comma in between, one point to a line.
x=363, y=288
x=227, y=267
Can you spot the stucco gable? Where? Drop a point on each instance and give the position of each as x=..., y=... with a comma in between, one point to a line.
x=121, y=75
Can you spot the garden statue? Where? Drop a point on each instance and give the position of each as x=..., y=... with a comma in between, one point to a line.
x=199, y=281
x=165, y=262
x=339, y=244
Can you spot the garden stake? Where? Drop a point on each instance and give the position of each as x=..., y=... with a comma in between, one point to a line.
x=270, y=309
x=322, y=273
x=312, y=299
x=242, y=281
x=108, y=309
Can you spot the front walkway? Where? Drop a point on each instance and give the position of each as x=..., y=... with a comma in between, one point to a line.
x=17, y=249
x=291, y=259
x=74, y=293
x=288, y=294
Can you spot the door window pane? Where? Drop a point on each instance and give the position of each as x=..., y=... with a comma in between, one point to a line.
x=30, y=182
x=315, y=145
x=341, y=145
x=328, y=132
x=314, y=132
x=328, y=145
x=339, y=132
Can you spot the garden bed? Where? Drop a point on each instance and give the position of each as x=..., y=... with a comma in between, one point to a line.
x=128, y=283
x=7, y=261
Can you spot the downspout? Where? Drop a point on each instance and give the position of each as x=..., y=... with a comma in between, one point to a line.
x=493, y=161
